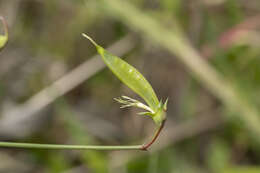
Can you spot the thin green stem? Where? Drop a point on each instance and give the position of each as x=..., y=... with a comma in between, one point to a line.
x=143, y=147
x=72, y=147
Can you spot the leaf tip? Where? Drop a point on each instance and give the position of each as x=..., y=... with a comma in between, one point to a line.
x=165, y=105
x=90, y=39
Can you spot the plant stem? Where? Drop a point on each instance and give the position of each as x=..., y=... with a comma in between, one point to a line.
x=146, y=146
x=143, y=147
x=73, y=147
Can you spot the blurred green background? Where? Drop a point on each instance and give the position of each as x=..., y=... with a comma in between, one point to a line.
x=53, y=89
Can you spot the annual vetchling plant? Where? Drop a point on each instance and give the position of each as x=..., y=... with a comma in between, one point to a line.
x=129, y=76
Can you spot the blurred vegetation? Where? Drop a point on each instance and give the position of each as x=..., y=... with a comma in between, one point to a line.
x=204, y=132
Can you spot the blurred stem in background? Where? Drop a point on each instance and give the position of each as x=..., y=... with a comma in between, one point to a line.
x=96, y=160
x=178, y=45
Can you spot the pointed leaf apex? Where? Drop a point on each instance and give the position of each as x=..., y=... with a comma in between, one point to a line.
x=160, y=103
x=90, y=39
x=165, y=105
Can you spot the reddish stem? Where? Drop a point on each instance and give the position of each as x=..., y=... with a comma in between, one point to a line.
x=146, y=146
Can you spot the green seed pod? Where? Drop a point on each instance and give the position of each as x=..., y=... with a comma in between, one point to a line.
x=131, y=77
